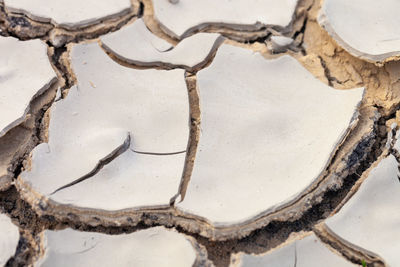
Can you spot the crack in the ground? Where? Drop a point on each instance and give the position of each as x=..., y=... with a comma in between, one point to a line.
x=264, y=236
x=231, y=31
x=327, y=72
x=100, y=164
x=160, y=64
x=159, y=153
x=30, y=226
x=23, y=137
x=59, y=59
x=21, y=26
x=194, y=135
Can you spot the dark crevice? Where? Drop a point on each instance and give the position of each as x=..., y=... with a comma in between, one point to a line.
x=21, y=27
x=301, y=31
x=140, y=12
x=303, y=16
x=300, y=35
x=393, y=151
x=33, y=129
x=59, y=58
x=30, y=225
x=327, y=73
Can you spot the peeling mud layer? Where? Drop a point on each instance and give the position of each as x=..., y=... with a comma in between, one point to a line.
x=198, y=134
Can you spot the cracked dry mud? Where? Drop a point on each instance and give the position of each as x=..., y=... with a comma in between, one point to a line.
x=199, y=133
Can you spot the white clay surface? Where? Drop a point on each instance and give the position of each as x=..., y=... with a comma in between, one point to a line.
x=366, y=28
x=180, y=18
x=25, y=71
x=258, y=147
x=147, y=248
x=109, y=102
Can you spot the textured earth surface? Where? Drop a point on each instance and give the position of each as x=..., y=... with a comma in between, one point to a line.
x=199, y=133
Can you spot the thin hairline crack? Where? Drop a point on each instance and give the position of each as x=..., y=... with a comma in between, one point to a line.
x=125, y=146
x=101, y=163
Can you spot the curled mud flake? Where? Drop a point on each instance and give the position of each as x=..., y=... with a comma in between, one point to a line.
x=90, y=122
x=28, y=84
x=9, y=237
x=25, y=73
x=152, y=247
x=370, y=218
x=188, y=16
x=280, y=44
x=137, y=46
x=350, y=251
x=366, y=29
x=306, y=252
x=249, y=127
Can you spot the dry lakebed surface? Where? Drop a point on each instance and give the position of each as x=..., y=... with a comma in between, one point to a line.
x=178, y=133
